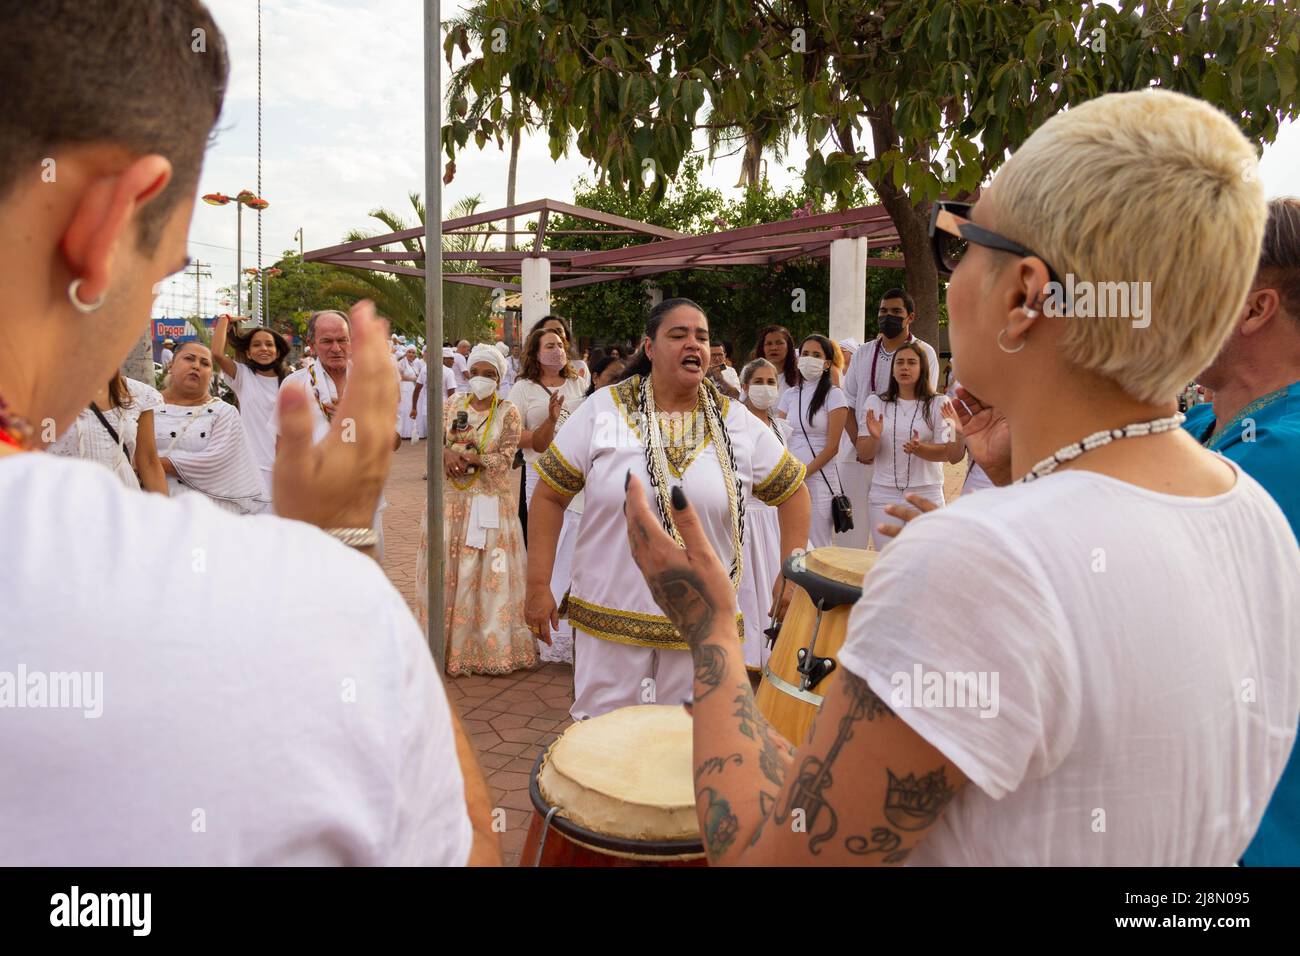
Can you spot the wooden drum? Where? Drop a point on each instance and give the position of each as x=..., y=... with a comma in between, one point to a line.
x=827, y=583
x=617, y=790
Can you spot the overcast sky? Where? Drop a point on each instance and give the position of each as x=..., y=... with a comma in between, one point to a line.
x=342, y=134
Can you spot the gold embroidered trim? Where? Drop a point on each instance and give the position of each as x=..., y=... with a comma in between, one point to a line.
x=558, y=473
x=784, y=481
x=1260, y=403
x=627, y=627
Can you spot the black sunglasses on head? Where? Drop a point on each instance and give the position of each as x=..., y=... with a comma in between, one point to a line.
x=951, y=233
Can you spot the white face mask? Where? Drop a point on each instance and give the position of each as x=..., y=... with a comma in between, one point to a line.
x=482, y=386
x=763, y=396
x=811, y=367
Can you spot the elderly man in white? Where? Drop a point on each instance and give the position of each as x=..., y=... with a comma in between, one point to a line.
x=325, y=378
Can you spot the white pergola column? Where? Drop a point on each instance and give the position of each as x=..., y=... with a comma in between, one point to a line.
x=535, y=275
x=848, y=305
x=654, y=294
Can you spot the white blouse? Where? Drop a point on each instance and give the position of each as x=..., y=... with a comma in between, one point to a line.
x=88, y=438
x=896, y=469
x=808, y=438
x=207, y=447
x=534, y=402
x=592, y=453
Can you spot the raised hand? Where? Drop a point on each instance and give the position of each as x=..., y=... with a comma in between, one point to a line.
x=988, y=436
x=337, y=483
x=875, y=426
x=912, y=444
x=689, y=584
x=556, y=406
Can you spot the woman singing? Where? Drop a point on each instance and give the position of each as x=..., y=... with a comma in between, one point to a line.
x=910, y=432
x=484, y=571
x=665, y=424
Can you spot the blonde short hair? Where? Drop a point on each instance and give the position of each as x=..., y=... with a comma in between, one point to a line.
x=1146, y=186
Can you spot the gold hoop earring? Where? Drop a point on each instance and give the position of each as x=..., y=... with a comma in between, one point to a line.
x=1007, y=350
x=83, y=307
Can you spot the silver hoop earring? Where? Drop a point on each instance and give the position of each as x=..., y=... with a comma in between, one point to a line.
x=1007, y=350
x=83, y=307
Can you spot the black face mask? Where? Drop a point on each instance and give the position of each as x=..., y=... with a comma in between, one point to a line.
x=891, y=326
x=262, y=366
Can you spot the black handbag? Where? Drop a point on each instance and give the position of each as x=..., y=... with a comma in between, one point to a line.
x=841, y=507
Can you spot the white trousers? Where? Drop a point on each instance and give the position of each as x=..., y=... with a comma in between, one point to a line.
x=881, y=498
x=607, y=676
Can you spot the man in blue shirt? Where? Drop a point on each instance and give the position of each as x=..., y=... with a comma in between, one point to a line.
x=1255, y=421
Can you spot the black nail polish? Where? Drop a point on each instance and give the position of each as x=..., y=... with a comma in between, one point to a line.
x=627, y=479
x=679, y=498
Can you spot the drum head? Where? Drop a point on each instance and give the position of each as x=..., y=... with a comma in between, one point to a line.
x=625, y=775
x=845, y=565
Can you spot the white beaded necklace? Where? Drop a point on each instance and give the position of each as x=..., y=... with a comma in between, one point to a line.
x=1104, y=437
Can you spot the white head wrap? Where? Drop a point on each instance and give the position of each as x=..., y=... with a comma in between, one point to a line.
x=503, y=348
x=848, y=345
x=489, y=354
x=448, y=352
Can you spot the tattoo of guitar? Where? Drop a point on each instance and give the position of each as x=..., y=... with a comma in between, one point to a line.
x=808, y=792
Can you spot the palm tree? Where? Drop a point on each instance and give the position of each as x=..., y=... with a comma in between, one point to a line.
x=400, y=298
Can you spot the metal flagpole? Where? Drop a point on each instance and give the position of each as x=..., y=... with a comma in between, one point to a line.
x=433, y=392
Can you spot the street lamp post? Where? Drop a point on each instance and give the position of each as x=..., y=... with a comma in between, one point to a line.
x=244, y=197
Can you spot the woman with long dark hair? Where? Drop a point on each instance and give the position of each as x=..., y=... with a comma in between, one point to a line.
x=910, y=432
x=665, y=423
x=557, y=323
x=816, y=411
x=776, y=344
x=260, y=364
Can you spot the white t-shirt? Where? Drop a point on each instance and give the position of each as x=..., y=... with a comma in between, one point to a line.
x=257, y=396
x=534, y=402
x=233, y=732
x=858, y=381
x=448, y=380
x=88, y=438
x=894, y=468
x=1146, y=703
x=461, y=368
x=790, y=403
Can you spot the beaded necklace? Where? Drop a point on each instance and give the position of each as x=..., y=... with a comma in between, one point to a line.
x=657, y=467
x=1103, y=437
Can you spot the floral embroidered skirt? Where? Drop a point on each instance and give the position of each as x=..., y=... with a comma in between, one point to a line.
x=483, y=590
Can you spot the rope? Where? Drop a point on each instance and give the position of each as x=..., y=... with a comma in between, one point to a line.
x=261, y=276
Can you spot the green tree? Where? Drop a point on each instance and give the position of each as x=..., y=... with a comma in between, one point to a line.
x=916, y=97
x=400, y=298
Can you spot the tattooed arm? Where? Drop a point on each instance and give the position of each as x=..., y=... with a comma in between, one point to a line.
x=864, y=789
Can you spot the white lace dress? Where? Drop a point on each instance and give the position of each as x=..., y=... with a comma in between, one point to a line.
x=88, y=438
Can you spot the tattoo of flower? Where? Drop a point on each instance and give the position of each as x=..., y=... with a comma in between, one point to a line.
x=720, y=824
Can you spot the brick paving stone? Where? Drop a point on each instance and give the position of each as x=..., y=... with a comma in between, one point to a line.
x=509, y=780
x=491, y=761
x=523, y=735
x=486, y=740
x=512, y=749
x=506, y=721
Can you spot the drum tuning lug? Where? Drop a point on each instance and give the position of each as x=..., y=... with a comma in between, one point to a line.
x=771, y=634
x=813, y=669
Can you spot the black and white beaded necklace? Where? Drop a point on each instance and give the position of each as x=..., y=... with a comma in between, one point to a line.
x=1103, y=437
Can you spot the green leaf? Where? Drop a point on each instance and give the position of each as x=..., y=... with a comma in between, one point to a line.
x=938, y=23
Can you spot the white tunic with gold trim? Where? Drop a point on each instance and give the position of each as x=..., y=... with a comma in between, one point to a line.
x=593, y=452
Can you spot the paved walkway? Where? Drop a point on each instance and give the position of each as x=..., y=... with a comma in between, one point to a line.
x=509, y=719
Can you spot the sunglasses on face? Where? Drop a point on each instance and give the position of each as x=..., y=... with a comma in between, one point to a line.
x=952, y=232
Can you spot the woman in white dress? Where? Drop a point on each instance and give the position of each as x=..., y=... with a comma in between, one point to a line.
x=625, y=650
x=260, y=364
x=117, y=431
x=762, y=526
x=547, y=391
x=408, y=371
x=201, y=440
x=816, y=411
x=909, y=432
